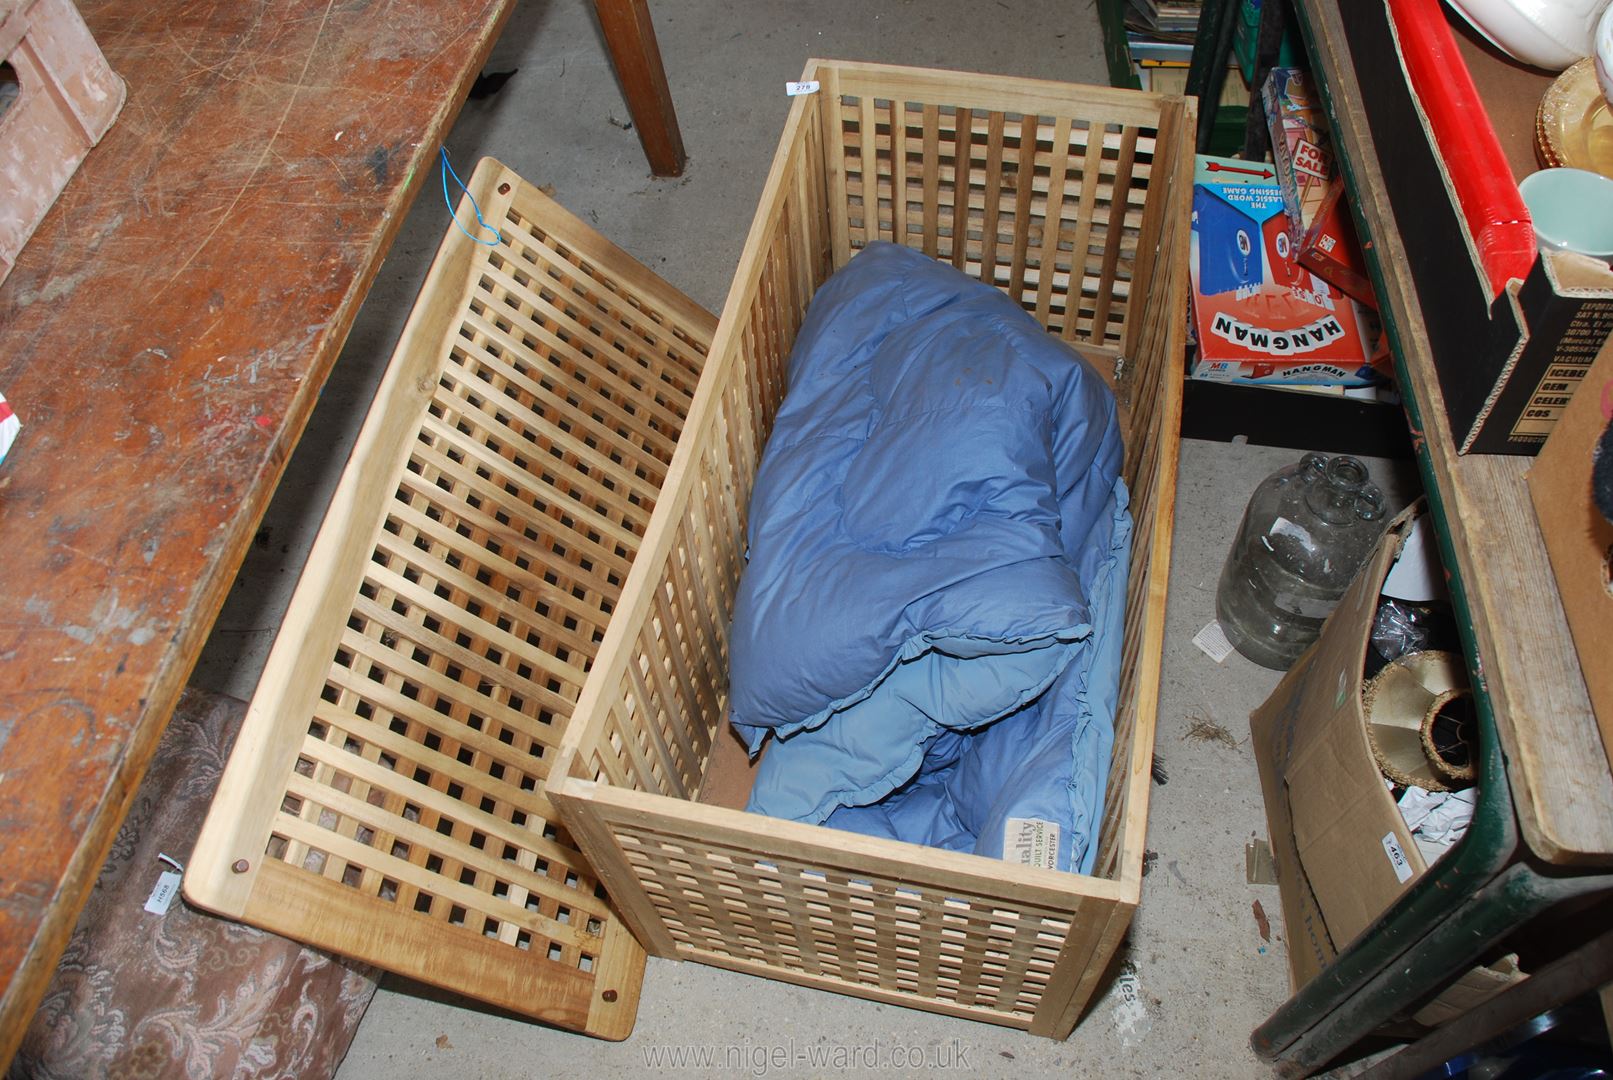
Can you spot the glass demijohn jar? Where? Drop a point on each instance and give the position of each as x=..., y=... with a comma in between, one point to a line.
x=1308, y=528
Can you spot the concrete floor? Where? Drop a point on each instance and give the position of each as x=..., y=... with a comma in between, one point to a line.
x=1204, y=977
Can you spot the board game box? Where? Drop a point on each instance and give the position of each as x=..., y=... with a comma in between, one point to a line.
x=1258, y=316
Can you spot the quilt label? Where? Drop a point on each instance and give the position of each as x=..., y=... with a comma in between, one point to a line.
x=1032, y=842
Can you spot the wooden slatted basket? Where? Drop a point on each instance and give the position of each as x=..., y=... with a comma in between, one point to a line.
x=1075, y=201
x=386, y=798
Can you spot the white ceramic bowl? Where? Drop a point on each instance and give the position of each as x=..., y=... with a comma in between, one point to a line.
x=1572, y=210
x=1604, y=54
x=1548, y=34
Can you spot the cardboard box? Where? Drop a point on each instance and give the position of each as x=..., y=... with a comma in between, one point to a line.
x=1301, y=145
x=1342, y=850
x=1579, y=540
x=1340, y=845
x=1503, y=358
x=1330, y=250
x=1258, y=316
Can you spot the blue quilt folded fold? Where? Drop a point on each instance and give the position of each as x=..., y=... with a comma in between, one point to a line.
x=929, y=621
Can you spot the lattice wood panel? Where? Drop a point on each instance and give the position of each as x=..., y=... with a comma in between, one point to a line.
x=950, y=933
x=657, y=704
x=1047, y=208
x=395, y=762
x=838, y=925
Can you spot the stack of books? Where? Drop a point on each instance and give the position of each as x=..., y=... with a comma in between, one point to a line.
x=1165, y=20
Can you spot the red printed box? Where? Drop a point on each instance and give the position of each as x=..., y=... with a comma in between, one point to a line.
x=1258, y=316
x=1331, y=251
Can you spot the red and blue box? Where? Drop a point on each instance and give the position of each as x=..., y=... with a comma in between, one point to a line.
x=1258, y=315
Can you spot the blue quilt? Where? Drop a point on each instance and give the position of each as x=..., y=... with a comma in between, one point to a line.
x=929, y=622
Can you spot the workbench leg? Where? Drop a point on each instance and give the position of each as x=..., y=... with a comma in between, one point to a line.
x=631, y=39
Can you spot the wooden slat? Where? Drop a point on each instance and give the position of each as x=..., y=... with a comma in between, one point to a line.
x=686, y=320
x=813, y=160
x=962, y=182
x=571, y=934
x=834, y=167
x=1000, y=93
x=494, y=501
x=603, y=374
x=1051, y=226
x=932, y=179
x=532, y=586
x=994, y=199
x=585, y=456
x=869, y=168
x=445, y=956
x=506, y=472
x=1079, y=254
x=1081, y=962
x=609, y=766
x=898, y=152
x=606, y=320
x=1024, y=190
x=671, y=776
x=1156, y=425
x=1149, y=246
x=702, y=686
x=613, y=423
x=1112, y=241
x=1014, y=155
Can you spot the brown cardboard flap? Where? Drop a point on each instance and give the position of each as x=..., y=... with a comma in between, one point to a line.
x=1578, y=539
x=1571, y=272
x=1326, y=802
x=1272, y=727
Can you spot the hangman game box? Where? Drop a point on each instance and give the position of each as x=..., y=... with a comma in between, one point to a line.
x=1258, y=316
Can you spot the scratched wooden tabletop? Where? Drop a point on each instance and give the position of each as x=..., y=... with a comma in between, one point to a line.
x=163, y=338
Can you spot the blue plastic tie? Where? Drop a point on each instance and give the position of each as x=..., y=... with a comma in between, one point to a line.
x=447, y=171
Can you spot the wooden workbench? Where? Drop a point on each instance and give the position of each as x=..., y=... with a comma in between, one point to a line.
x=1526, y=664
x=163, y=338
